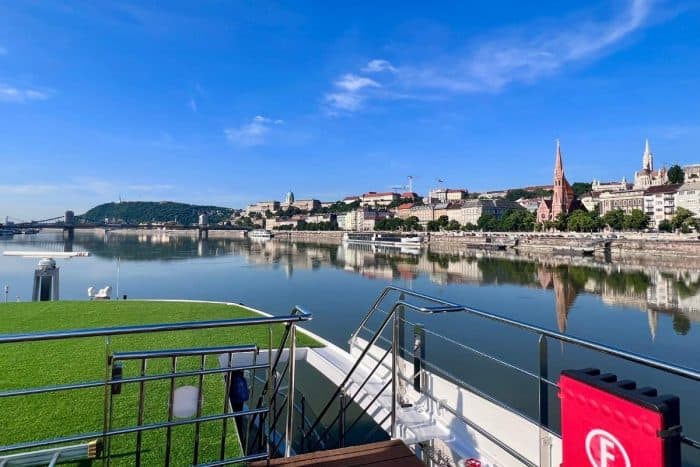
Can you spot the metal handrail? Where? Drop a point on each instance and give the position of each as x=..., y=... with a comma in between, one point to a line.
x=678, y=370
x=297, y=315
x=399, y=304
x=146, y=328
x=289, y=334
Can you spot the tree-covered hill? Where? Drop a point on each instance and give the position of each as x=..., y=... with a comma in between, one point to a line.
x=135, y=212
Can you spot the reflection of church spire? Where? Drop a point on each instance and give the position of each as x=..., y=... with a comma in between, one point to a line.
x=653, y=319
x=564, y=293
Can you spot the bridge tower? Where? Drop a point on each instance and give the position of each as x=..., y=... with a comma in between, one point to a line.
x=69, y=226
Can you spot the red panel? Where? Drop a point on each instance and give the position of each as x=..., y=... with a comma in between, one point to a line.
x=600, y=429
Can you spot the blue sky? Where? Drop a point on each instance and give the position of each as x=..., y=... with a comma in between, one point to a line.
x=229, y=102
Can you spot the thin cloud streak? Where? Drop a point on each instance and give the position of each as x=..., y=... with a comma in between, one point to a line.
x=523, y=55
x=253, y=133
x=13, y=94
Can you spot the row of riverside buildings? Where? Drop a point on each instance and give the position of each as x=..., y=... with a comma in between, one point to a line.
x=371, y=207
x=650, y=192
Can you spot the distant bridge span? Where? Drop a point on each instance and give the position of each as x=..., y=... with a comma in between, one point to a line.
x=68, y=223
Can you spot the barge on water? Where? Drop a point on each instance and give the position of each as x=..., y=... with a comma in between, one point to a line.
x=386, y=383
x=260, y=234
x=385, y=239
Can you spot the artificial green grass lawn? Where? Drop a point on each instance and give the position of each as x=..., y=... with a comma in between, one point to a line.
x=42, y=416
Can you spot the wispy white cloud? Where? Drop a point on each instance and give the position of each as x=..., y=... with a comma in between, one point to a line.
x=253, y=133
x=14, y=94
x=353, y=83
x=377, y=66
x=193, y=104
x=347, y=101
x=525, y=54
x=349, y=93
x=520, y=55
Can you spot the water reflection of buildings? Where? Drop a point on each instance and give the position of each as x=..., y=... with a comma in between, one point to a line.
x=653, y=290
x=564, y=293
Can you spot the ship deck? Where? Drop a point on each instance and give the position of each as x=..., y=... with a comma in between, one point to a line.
x=386, y=453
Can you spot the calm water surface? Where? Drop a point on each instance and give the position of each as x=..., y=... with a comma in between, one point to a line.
x=654, y=311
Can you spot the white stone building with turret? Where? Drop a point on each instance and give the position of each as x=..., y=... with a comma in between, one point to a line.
x=647, y=177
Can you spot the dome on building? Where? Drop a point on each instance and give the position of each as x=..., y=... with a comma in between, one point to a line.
x=289, y=198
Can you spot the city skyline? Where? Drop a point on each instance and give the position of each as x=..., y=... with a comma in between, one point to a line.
x=231, y=104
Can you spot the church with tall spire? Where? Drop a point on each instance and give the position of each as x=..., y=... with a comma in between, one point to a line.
x=563, y=200
x=647, y=177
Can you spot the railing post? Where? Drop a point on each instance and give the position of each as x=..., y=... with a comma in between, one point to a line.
x=394, y=372
x=341, y=420
x=401, y=318
x=543, y=388
x=418, y=356
x=289, y=426
x=303, y=423
x=269, y=388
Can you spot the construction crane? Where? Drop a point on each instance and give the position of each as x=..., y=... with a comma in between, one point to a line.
x=408, y=187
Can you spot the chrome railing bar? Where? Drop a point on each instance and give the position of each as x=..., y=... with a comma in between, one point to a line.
x=146, y=328
x=341, y=386
x=379, y=299
x=482, y=354
x=366, y=409
x=289, y=429
x=690, y=442
x=678, y=370
x=458, y=382
x=200, y=402
x=183, y=352
x=129, y=430
x=297, y=310
x=135, y=379
x=398, y=304
x=371, y=373
x=477, y=352
x=141, y=409
x=483, y=432
x=226, y=408
x=171, y=404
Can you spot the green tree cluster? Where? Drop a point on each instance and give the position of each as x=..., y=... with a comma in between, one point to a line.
x=684, y=221
x=676, y=174
x=515, y=220
x=137, y=212
x=303, y=225
x=518, y=193
x=339, y=207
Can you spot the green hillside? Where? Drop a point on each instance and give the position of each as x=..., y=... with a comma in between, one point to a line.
x=134, y=212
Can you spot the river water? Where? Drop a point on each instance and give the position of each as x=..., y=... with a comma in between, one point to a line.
x=649, y=310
